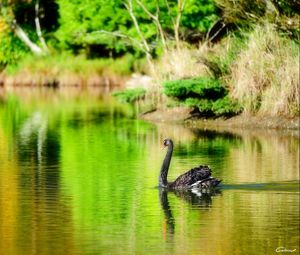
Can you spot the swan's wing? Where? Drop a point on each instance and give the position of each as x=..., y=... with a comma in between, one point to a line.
x=194, y=175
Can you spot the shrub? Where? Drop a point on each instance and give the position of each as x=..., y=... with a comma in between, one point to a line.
x=221, y=107
x=204, y=106
x=226, y=107
x=205, y=94
x=203, y=87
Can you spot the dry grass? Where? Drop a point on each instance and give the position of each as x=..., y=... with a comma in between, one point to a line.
x=183, y=63
x=265, y=76
x=260, y=69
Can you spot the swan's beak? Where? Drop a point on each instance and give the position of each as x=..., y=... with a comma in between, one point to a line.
x=162, y=146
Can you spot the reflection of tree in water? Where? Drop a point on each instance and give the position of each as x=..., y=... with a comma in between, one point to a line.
x=38, y=153
x=39, y=184
x=193, y=197
x=209, y=142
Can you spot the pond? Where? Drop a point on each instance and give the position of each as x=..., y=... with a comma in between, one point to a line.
x=78, y=175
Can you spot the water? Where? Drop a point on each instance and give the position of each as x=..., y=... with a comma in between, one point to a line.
x=79, y=176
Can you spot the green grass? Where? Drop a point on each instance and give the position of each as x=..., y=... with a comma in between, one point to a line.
x=66, y=69
x=59, y=63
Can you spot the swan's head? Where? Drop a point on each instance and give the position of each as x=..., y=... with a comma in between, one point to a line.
x=167, y=142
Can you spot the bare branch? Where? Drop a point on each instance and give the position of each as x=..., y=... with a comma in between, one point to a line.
x=180, y=9
x=156, y=21
x=169, y=12
x=146, y=46
x=121, y=35
x=147, y=11
x=137, y=27
x=216, y=33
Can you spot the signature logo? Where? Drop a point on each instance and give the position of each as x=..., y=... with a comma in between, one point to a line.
x=283, y=249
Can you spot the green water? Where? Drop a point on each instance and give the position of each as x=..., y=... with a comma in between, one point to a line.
x=78, y=175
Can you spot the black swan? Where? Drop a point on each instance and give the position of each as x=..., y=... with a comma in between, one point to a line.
x=198, y=177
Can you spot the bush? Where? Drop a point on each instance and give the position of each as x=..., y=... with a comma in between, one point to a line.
x=130, y=95
x=203, y=87
x=226, y=107
x=205, y=94
x=221, y=107
x=204, y=106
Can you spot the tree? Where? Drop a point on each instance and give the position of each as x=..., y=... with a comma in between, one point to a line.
x=23, y=18
x=138, y=26
x=8, y=15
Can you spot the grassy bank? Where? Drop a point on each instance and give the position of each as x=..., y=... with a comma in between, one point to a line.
x=67, y=70
x=255, y=72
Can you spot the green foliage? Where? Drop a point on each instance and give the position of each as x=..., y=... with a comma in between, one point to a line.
x=205, y=94
x=130, y=95
x=203, y=87
x=11, y=49
x=199, y=15
x=106, y=26
x=79, y=19
x=221, y=107
x=203, y=105
x=226, y=107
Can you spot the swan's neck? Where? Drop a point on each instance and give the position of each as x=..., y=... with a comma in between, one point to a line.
x=165, y=167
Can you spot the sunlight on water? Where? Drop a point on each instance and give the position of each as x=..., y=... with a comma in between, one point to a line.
x=78, y=175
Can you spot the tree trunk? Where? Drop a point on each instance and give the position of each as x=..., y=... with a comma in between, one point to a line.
x=38, y=27
x=144, y=41
x=180, y=5
x=25, y=39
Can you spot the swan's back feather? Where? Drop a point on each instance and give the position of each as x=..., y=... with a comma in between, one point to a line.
x=194, y=175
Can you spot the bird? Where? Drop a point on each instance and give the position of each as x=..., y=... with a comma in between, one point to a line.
x=197, y=178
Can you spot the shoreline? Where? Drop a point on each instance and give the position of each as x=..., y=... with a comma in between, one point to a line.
x=181, y=115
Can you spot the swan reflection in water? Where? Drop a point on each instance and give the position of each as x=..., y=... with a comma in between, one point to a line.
x=197, y=198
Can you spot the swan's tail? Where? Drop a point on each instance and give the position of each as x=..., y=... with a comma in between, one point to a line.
x=215, y=182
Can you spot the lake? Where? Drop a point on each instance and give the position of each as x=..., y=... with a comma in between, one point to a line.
x=78, y=175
